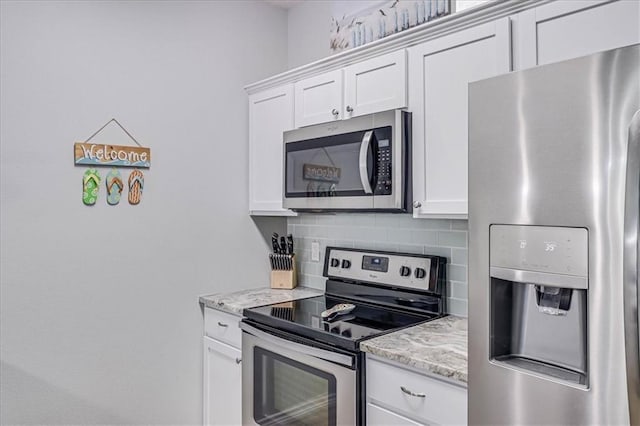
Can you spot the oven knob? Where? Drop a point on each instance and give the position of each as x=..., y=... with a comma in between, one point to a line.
x=335, y=263
x=405, y=271
x=346, y=264
x=420, y=273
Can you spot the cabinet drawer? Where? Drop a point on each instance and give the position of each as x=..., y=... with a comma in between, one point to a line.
x=378, y=416
x=442, y=403
x=223, y=327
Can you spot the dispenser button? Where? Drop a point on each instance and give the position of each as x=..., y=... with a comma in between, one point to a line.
x=346, y=264
x=335, y=262
x=405, y=271
x=420, y=273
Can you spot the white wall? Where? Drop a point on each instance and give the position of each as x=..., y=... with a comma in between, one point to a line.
x=99, y=315
x=309, y=24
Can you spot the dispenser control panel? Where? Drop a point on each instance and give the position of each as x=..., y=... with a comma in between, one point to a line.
x=549, y=249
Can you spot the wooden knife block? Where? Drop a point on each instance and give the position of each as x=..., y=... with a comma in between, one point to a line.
x=285, y=279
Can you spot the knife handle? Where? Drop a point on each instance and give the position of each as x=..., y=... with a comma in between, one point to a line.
x=289, y=244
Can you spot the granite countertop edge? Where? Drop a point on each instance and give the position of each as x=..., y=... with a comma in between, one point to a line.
x=436, y=347
x=235, y=302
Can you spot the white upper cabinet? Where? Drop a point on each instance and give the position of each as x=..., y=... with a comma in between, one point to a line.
x=430, y=77
x=270, y=114
x=318, y=99
x=567, y=29
x=439, y=73
x=375, y=85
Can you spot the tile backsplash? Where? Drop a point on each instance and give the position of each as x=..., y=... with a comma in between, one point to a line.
x=384, y=231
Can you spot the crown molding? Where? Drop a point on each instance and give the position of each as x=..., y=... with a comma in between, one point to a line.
x=419, y=34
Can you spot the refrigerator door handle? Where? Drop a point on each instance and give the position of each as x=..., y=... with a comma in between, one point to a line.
x=631, y=268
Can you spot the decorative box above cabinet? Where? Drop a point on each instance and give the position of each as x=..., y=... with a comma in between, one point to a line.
x=375, y=85
x=439, y=73
x=270, y=114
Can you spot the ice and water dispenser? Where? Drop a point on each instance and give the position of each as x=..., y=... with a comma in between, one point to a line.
x=539, y=286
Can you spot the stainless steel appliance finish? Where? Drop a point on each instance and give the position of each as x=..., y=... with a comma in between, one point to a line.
x=340, y=367
x=400, y=270
x=538, y=299
x=556, y=147
x=302, y=366
x=360, y=164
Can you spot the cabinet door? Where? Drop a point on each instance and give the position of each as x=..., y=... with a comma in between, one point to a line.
x=568, y=29
x=378, y=84
x=270, y=113
x=318, y=99
x=222, y=391
x=378, y=416
x=439, y=73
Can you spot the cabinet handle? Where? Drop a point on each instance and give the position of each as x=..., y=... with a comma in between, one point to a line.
x=417, y=204
x=221, y=324
x=349, y=109
x=335, y=112
x=408, y=392
x=238, y=360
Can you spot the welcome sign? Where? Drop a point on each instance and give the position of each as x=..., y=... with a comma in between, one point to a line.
x=111, y=155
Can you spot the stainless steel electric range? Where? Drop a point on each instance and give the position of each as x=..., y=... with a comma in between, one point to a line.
x=301, y=359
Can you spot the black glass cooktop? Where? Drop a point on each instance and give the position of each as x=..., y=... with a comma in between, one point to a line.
x=302, y=318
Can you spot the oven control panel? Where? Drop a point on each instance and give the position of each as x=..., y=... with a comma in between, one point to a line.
x=396, y=269
x=375, y=263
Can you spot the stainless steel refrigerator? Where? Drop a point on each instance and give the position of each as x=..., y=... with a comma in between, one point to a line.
x=554, y=157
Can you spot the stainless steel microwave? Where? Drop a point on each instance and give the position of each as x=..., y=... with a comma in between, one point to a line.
x=360, y=164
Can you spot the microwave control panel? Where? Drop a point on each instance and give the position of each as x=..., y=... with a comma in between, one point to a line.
x=383, y=182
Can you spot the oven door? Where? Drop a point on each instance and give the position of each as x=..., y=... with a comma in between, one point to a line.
x=285, y=382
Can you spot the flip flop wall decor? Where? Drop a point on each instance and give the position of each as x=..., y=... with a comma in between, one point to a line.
x=136, y=185
x=90, y=185
x=114, y=186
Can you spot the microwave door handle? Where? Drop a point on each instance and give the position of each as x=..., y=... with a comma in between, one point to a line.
x=364, y=171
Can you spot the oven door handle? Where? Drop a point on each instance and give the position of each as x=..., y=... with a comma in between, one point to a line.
x=364, y=170
x=341, y=359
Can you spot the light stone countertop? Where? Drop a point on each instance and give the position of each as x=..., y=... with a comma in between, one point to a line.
x=436, y=347
x=235, y=303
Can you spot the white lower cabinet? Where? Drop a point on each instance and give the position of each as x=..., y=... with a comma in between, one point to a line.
x=398, y=396
x=222, y=369
x=222, y=384
x=378, y=416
